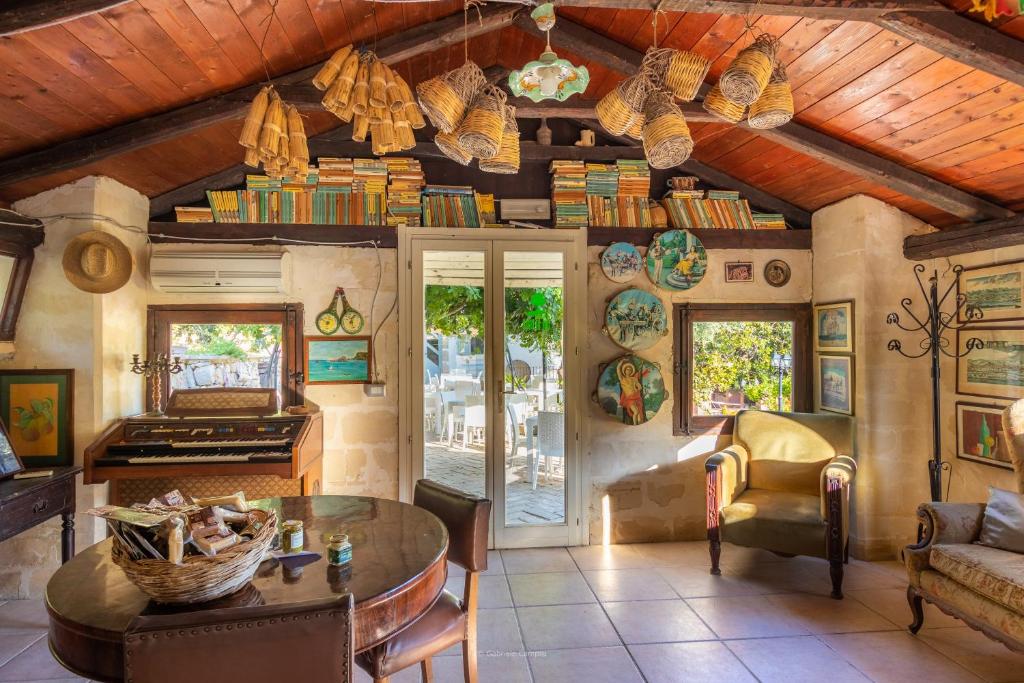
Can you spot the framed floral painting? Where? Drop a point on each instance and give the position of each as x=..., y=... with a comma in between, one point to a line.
x=37, y=409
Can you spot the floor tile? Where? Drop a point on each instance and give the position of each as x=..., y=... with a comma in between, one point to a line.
x=707, y=662
x=897, y=657
x=819, y=614
x=510, y=668
x=536, y=560
x=13, y=644
x=799, y=659
x=497, y=634
x=892, y=604
x=560, y=627
x=617, y=585
x=551, y=588
x=981, y=655
x=23, y=615
x=608, y=557
x=35, y=664
x=698, y=582
x=494, y=566
x=593, y=665
x=745, y=617
x=656, y=621
x=493, y=592
x=684, y=554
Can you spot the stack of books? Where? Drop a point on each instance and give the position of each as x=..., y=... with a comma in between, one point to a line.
x=485, y=207
x=617, y=194
x=405, y=182
x=569, y=193
x=450, y=206
x=634, y=178
x=714, y=209
x=193, y=214
x=769, y=221
x=602, y=180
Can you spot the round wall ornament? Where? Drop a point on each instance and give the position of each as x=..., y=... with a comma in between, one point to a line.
x=676, y=260
x=620, y=262
x=631, y=390
x=777, y=273
x=635, y=320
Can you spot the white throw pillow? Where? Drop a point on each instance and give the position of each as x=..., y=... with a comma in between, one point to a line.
x=1003, y=526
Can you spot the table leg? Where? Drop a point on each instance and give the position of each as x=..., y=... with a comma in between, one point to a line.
x=67, y=536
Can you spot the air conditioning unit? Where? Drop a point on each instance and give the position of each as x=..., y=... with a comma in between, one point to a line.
x=239, y=272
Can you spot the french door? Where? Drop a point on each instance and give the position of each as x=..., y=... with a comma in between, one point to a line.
x=491, y=374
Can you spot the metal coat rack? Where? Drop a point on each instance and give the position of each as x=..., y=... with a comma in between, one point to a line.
x=935, y=325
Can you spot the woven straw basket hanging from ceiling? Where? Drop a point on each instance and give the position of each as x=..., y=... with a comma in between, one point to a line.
x=774, y=107
x=444, y=99
x=716, y=103
x=748, y=75
x=679, y=72
x=623, y=105
x=667, y=140
x=507, y=158
x=481, y=130
x=449, y=145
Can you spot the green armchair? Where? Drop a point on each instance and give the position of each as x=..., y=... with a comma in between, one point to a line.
x=784, y=486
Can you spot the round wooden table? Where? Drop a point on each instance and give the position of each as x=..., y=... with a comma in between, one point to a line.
x=398, y=570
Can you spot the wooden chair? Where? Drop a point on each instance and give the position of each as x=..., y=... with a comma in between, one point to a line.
x=311, y=642
x=450, y=620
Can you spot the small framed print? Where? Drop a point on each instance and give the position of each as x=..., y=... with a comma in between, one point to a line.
x=833, y=327
x=834, y=384
x=980, y=436
x=996, y=290
x=996, y=370
x=334, y=360
x=739, y=271
x=36, y=407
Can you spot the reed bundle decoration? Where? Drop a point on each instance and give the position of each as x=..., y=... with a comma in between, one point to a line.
x=274, y=135
x=444, y=99
x=507, y=159
x=718, y=104
x=481, y=129
x=747, y=76
x=666, y=137
x=774, y=107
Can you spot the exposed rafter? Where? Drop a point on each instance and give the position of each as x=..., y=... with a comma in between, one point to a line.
x=588, y=44
x=965, y=239
x=19, y=16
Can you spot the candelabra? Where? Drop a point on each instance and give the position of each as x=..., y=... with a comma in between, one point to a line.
x=935, y=325
x=154, y=369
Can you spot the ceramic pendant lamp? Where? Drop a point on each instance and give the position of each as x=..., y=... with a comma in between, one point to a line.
x=548, y=77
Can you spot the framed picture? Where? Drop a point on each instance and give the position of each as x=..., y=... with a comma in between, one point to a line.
x=739, y=271
x=995, y=371
x=334, y=360
x=834, y=384
x=833, y=327
x=997, y=290
x=10, y=463
x=37, y=409
x=980, y=436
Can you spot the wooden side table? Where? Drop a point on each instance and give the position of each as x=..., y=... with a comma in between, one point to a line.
x=24, y=503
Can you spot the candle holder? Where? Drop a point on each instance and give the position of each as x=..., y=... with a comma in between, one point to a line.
x=154, y=369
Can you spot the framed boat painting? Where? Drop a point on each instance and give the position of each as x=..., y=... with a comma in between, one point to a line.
x=834, y=384
x=997, y=291
x=996, y=370
x=980, y=436
x=334, y=360
x=833, y=327
x=36, y=407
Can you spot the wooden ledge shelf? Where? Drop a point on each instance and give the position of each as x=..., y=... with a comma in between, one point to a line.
x=289, y=233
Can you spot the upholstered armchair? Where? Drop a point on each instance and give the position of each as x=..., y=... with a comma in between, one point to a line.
x=784, y=486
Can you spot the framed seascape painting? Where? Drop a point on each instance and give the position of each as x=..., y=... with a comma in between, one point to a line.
x=834, y=384
x=998, y=291
x=833, y=327
x=997, y=369
x=980, y=436
x=333, y=360
x=36, y=407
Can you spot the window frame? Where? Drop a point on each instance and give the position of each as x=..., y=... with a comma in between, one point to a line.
x=159, y=319
x=684, y=422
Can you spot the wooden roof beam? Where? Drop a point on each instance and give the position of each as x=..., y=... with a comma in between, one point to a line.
x=965, y=239
x=19, y=16
x=858, y=10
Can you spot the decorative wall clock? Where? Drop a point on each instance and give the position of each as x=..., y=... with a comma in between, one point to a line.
x=620, y=262
x=676, y=260
x=635, y=320
x=631, y=390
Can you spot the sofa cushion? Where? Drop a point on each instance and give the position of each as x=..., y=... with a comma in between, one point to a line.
x=996, y=574
x=775, y=520
x=1003, y=525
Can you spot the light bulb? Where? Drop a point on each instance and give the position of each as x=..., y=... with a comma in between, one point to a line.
x=550, y=78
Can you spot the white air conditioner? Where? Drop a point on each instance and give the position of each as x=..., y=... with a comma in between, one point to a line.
x=240, y=272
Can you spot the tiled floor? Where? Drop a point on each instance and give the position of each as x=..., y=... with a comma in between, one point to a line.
x=652, y=613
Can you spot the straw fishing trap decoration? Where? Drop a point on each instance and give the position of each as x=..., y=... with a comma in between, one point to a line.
x=273, y=135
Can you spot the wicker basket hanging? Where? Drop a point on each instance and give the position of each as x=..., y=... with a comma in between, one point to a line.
x=450, y=147
x=636, y=129
x=774, y=107
x=331, y=68
x=748, y=75
x=667, y=140
x=618, y=110
x=444, y=99
x=481, y=129
x=685, y=74
x=507, y=159
x=716, y=103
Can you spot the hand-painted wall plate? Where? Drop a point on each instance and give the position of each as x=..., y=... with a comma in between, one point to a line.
x=676, y=260
x=631, y=390
x=621, y=261
x=635, y=319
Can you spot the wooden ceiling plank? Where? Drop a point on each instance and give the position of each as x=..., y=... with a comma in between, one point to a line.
x=330, y=21
x=829, y=50
x=978, y=149
x=803, y=36
x=29, y=15
x=586, y=44
x=965, y=239
x=37, y=100
x=265, y=29
x=795, y=215
x=221, y=22
x=993, y=163
x=860, y=10
x=688, y=31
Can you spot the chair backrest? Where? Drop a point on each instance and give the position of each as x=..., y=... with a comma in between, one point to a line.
x=551, y=433
x=788, y=450
x=466, y=517
x=1013, y=427
x=310, y=642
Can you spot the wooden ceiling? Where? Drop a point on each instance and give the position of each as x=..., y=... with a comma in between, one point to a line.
x=853, y=81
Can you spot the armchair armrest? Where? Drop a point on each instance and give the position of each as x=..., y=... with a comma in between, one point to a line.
x=840, y=472
x=727, y=474
x=942, y=523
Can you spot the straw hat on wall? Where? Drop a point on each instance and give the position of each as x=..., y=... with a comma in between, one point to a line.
x=97, y=262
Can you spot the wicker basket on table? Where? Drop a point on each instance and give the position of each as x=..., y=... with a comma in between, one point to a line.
x=198, y=578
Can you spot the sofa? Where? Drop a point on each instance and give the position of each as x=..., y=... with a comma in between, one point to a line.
x=980, y=585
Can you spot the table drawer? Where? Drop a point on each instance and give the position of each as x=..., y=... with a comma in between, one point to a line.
x=31, y=509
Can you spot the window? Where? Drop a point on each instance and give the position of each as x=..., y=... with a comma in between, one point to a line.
x=231, y=345
x=732, y=357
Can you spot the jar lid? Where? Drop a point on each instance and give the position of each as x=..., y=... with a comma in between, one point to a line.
x=339, y=538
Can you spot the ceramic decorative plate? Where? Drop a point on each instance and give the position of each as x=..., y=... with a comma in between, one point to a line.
x=777, y=273
x=676, y=260
x=635, y=320
x=621, y=262
x=631, y=390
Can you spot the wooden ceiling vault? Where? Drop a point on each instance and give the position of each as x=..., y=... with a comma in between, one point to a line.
x=916, y=103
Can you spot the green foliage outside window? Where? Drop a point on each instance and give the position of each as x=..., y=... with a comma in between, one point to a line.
x=735, y=355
